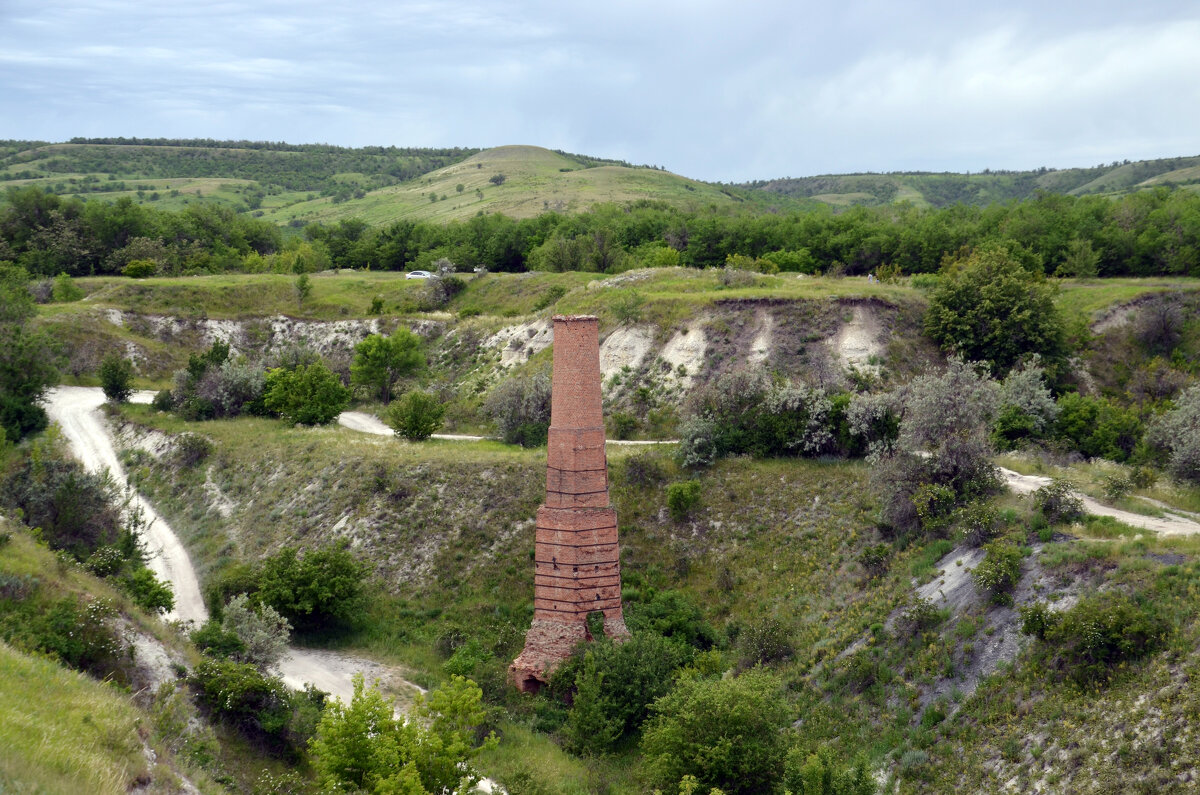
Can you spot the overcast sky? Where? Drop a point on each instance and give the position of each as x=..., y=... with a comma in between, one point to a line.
x=713, y=90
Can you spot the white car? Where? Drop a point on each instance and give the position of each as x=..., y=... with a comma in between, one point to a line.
x=419, y=275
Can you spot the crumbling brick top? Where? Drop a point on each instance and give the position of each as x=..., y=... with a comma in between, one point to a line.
x=575, y=318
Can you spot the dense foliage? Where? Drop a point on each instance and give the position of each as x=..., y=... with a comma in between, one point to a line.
x=1154, y=232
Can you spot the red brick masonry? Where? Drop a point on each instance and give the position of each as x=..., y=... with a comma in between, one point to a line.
x=577, y=562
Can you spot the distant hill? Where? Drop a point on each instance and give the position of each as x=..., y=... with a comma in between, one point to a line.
x=521, y=182
x=926, y=189
x=297, y=184
x=292, y=184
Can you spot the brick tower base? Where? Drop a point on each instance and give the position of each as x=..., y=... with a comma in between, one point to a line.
x=577, y=567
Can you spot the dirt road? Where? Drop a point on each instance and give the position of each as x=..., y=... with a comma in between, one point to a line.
x=367, y=423
x=76, y=410
x=1166, y=525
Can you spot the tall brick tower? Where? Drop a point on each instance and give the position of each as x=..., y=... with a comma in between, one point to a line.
x=577, y=562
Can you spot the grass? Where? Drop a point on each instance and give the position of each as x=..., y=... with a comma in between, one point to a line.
x=536, y=180
x=1085, y=297
x=61, y=731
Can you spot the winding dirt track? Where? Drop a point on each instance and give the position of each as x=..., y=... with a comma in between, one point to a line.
x=367, y=423
x=76, y=410
x=1167, y=525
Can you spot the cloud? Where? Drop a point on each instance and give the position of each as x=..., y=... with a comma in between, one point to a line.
x=709, y=88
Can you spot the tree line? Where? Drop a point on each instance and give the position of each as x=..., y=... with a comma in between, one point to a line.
x=1150, y=233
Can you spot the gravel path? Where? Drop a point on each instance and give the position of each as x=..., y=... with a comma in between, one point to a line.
x=1167, y=525
x=368, y=423
x=76, y=410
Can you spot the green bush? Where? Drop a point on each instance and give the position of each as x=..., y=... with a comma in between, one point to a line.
x=309, y=395
x=921, y=616
x=819, y=774
x=147, y=591
x=1100, y=632
x=216, y=642
x=725, y=732
x=674, y=616
x=78, y=633
x=191, y=449
x=65, y=290
x=874, y=559
x=999, y=571
x=1058, y=501
x=765, y=640
x=115, y=375
x=379, y=361
x=416, y=416
x=990, y=307
x=1097, y=427
x=323, y=589
x=614, y=687
x=521, y=409
x=362, y=746
x=243, y=696
x=140, y=269
x=682, y=498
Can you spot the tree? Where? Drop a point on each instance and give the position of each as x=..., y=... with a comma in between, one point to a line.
x=115, y=375
x=943, y=454
x=989, y=307
x=416, y=416
x=379, y=361
x=728, y=733
x=263, y=633
x=521, y=408
x=321, y=589
x=363, y=747
x=27, y=358
x=1178, y=432
x=614, y=687
x=303, y=286
x=309, y=395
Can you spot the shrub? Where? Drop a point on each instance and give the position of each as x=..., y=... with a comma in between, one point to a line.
x=999, y=571
x=920, y=616
x=614, y=687
x=671, y=614
x=148, y=592
x=361, y=746
x=725, y=732
x=1058, y=501
x=642, y=470
x=309, y=395
x=162, y=400
x=819, y=774
x=263, y=633
x=321, y=589
x=521, y=409
x=65, y=290
x=875, y=558
x=1099, y=632
x=989, y=307
x=74, y=508
x=1178, y=433
x=416, y=416
x=140, y=269
x=682, y=498
x=942, y=456
x=241, y=695
x=978, y=523
x=765, y=640
x=1097, y=427
x=379, y=361
x=115, y=374
x=216, y=642
x=191, y=449
x=80, y=634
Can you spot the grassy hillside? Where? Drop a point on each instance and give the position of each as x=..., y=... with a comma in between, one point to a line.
x=535, y=181
x=940, y=190
x=966, y=702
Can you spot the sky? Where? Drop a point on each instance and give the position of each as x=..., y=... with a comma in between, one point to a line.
x=713, y=90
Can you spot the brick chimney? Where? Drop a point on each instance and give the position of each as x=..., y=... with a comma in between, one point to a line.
x=577, y=560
